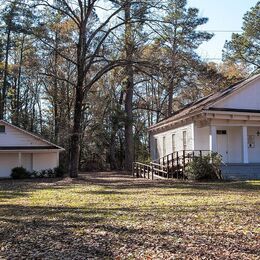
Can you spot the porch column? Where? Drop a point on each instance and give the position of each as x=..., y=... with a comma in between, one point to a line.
x=213, y=139
x=245, y=144
x=19, y=159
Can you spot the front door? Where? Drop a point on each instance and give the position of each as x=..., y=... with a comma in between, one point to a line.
x=222, y=144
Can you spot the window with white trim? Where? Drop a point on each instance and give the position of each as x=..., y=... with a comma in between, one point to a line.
x=2, y=129
x=184, y=140
x=155, y=148
x=173, y=143
x=164, y=146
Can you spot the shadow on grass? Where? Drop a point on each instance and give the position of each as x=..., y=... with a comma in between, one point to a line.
x=78, y=233
x=48, y=233
x=60, y=232
x=83, y=233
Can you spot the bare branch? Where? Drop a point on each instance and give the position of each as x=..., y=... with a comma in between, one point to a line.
x=57, y=77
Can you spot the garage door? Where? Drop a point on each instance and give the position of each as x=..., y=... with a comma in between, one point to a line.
x=7, y=163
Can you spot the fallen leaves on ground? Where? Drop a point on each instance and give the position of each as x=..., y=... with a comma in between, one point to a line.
x=113, y=216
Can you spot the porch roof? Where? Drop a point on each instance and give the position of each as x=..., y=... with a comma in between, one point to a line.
x=204, y=105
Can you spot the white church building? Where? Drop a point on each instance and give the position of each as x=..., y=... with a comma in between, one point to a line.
x=227, y=122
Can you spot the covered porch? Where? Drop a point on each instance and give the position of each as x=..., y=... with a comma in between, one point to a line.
x=236, y=144
x=234, y=135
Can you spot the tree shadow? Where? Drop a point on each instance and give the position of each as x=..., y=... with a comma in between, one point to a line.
x=42, y=232
x=38, y=232
x=61, y=232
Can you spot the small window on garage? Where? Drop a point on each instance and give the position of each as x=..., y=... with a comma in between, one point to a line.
x=2, y=129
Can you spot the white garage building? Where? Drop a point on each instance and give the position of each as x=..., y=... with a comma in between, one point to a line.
x=21, y=148
x=227, y=122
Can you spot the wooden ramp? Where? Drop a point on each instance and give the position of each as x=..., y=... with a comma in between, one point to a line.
x=170, y=166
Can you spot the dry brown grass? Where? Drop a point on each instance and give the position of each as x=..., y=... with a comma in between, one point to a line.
x=113, y=216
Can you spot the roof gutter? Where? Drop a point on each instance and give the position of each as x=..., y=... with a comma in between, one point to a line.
x=173, y=121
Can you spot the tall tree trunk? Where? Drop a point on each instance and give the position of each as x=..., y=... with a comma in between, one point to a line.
x=129, y=139
x=55, y=94
x=75, y=137
x=112, y=150
x=4, y=89
x=170, y=99
x=17, y=102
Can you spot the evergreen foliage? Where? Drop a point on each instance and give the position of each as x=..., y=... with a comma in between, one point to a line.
x=245, y=47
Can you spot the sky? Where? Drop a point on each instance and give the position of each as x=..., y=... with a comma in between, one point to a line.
x=224, y=15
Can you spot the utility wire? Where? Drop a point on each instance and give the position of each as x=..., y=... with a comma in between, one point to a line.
x=212, y=58
x=220, y=31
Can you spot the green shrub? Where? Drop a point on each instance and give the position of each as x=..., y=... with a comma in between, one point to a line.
x=205, y=167
x=59, y=172
x=50, y=173
x=34, y=174
x=20, y=173
x=42, y=173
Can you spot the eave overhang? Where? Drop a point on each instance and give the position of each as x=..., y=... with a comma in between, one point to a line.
x=175, y=122
x=252, y=115
x=206, y=116
x=29, y=150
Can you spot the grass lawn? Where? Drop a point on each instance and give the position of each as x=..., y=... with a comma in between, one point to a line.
x=113, y=216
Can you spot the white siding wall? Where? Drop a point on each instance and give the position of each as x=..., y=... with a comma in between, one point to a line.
x=14, y=137
x=43, y=161
x=7, y=162
x=201, y=138
x=246, y=98
x=36, y=161
x=168, y=140
x=27, y=161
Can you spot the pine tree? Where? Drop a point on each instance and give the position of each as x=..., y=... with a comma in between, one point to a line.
x=178, y=40
x=245, y=47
